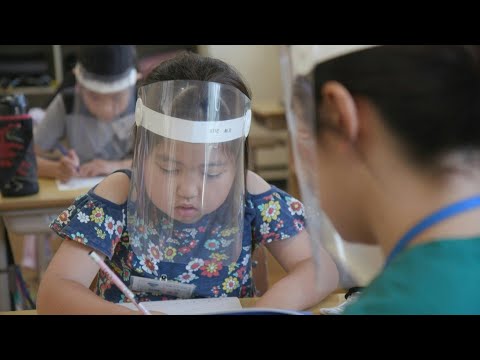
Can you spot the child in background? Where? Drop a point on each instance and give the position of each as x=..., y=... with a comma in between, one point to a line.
x=184, y=221
x=94, y=118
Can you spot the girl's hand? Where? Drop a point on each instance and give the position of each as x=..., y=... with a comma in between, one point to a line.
x=157, y=313
x=138, y=312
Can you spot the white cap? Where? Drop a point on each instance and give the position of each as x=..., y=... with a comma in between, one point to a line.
x=307, y=56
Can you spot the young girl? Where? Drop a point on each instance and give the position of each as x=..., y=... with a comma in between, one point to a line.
x=184, y=221
x=390, y=144
x=93, y=118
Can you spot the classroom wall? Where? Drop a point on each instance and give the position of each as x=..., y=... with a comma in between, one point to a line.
x=259, y=64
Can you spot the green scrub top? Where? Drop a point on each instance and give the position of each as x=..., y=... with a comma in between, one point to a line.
x=440, y=277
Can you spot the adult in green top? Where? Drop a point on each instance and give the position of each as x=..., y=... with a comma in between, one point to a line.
x=391, y=149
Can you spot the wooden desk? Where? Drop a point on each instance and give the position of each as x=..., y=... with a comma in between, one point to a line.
x=330, y=301
x=27, y=215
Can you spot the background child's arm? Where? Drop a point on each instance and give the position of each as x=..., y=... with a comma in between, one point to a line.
x=99, y=167
x=62, y=169
x=65, y=286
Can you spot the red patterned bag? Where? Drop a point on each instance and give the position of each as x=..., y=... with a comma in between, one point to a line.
x=18, y=167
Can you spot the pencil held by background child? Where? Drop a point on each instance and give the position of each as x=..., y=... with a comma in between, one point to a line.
x=72, y=157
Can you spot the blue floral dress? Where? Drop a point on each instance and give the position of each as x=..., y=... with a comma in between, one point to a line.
x=101, y=224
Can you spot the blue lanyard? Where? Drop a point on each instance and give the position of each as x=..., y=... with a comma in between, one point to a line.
x=438, y=216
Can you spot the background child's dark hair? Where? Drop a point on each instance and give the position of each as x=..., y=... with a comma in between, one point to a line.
x=428, y=95
x=105, y=61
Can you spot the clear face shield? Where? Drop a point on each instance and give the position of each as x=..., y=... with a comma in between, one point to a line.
x=187, y=189
x=356, y=263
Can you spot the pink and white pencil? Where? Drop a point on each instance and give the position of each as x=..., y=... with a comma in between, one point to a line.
x=116, y=280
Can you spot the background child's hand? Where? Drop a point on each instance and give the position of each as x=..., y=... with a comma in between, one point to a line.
x=96, y=167
x=67, y=167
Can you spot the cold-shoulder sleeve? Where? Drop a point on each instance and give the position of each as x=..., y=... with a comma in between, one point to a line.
x=277, y=215
x=92, y=221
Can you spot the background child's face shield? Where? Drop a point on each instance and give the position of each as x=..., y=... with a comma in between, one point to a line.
x=357, y=263
x=105, y=84
x=186, y=202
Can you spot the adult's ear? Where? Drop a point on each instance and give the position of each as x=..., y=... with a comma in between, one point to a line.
x=339, y=107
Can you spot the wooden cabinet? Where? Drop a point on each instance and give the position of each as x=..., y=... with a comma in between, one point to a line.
x=30, y=69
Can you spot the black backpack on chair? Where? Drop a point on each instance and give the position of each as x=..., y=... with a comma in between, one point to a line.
x=18, y=167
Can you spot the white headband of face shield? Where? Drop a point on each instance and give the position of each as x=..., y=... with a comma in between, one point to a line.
x=103, y=87
x=192, y=131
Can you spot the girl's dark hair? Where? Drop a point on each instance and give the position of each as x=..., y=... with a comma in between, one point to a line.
x=428, y=95
x=191, y=66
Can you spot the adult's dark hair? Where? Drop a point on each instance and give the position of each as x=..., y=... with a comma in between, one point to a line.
x=191, y=66
x=428, y=95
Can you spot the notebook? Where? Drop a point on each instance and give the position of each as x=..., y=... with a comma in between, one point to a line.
x=209, y=306
x=79, y=183
x=191, y=306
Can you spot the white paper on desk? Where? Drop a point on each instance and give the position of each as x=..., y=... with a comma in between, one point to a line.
x=191, y=306
x=79, y=183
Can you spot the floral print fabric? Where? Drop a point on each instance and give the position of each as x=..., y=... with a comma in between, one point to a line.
x=101, y=225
